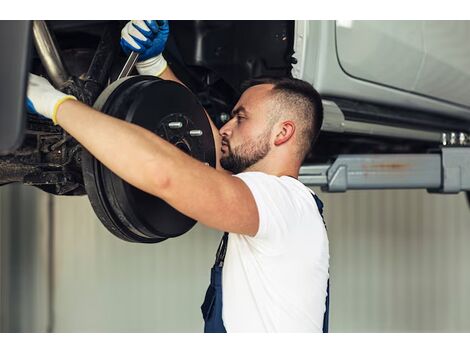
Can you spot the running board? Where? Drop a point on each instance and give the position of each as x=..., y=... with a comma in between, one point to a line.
x=445, y=172
x=334, y=121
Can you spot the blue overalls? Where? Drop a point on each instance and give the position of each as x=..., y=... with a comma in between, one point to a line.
x=212, y=306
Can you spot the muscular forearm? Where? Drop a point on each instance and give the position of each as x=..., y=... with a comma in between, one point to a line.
x=130, y=151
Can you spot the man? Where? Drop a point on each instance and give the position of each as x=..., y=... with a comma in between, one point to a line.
x=275, y=260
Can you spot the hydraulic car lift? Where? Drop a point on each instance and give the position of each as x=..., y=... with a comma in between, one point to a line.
x=445, y=171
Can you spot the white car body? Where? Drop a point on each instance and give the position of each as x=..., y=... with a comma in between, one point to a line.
x=421, y=65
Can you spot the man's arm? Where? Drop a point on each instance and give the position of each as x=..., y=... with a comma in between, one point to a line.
x=154, y=165
x=147, y=161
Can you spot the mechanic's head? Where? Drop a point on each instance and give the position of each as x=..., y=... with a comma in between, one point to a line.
x=275, y=122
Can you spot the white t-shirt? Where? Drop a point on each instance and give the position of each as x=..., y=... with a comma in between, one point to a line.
x=276, y=281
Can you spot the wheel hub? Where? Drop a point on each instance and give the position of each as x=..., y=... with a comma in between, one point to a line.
x=170, y=111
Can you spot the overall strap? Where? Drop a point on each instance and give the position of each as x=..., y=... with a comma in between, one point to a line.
x=220, y=256
x=327, y=310
x=320, y=206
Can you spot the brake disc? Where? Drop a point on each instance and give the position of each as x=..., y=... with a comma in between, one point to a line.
x=169, y=110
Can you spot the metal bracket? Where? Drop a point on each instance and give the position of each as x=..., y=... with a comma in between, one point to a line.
x=455, y=170
x=63, y=182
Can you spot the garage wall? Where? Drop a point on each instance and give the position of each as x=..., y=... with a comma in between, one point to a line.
x=105, y=284
x=24, y=259
x=398, y=263
x=4, y=257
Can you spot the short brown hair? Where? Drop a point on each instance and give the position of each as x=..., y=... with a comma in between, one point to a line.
x=299, y=96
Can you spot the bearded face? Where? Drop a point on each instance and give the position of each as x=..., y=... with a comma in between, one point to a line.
x=241, y=157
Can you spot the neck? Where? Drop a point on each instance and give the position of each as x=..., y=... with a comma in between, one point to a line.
x=276, y=167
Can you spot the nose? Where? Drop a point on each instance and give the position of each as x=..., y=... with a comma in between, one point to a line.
x=226, y=130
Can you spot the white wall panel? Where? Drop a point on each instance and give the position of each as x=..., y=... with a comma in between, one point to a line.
x=398, y=263
x=106, y=284
x=25, y=241
x=5, y=215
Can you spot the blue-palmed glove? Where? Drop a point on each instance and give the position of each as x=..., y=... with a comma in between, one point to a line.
x=148, y=38
x=43, y=99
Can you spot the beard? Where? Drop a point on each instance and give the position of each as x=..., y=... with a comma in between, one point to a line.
x=243, y=156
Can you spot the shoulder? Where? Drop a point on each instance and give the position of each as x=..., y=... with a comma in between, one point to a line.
x=283, y=181
x=275, y=185
x=278, y=198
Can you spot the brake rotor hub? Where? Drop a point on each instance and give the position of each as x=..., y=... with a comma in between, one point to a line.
x=172, y=112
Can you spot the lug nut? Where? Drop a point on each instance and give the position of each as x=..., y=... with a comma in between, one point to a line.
x=175, y=124
x=224, y=117
x=195, y=133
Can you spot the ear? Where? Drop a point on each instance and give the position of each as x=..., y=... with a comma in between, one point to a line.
x=285, y=132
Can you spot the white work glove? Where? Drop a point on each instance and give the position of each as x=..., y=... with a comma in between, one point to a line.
x=148, y=38
x=43, y=98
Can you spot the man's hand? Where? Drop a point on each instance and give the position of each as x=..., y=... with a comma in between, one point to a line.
x=148, y=38
x=43, y=98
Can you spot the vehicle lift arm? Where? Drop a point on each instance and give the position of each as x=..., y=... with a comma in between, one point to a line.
x=446, y=171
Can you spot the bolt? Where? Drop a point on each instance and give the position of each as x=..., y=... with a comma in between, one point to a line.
x=195, y=133
x=462, y=138
x=444, y=139
x=224, y=117
x=453, y=137
x=175, y=124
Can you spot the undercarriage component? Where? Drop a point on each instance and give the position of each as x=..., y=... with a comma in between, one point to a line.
x=170, y=111
x=444, y=172
x=398, y=116
x=87, y=87
x=49, y=54
x=213, y=58
x=48, y=158
x=334, y=121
